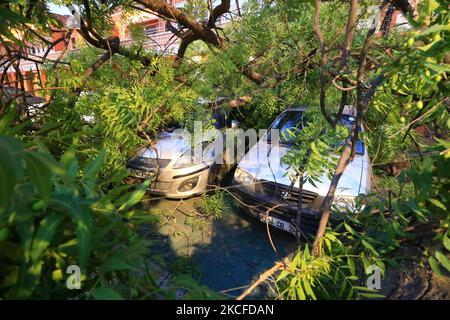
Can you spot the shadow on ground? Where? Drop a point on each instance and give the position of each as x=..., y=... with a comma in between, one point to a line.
x=230, y=252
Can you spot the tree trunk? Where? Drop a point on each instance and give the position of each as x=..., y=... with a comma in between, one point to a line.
x=326, y=205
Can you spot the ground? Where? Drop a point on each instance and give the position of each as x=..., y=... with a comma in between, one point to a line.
x=231, y=252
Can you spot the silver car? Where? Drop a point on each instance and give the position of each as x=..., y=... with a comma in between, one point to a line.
x=269, y=194
x=177, y=171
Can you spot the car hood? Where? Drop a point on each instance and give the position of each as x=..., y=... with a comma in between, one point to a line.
x=263, y=162
x=168, y=146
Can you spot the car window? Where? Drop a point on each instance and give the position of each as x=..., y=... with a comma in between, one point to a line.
x=297, y=119
x=359, y=147
x=347, y=120
x=350, y=121
x=220, y=119
x=360, y=150
x=288, y=121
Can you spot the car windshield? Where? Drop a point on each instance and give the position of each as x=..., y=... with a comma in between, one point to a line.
x=297, y=119
x=347, y=120
x=350, y=121
x=359, y=147
x=287, y=122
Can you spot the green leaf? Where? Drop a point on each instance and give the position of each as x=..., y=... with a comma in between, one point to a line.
x=283, y=274
x=54, y=166
x=443, y=260
x=4, y=233
x=93, y=168
x=437, y=67
x=83, y=222
x=315, y=150
x=350, y=229
x=40, y=174
x=372, y=295
x=42, y=148
x=106, y=293
x=434, y=265
x=25, y=228
x=300, y=293
x=438, y=204
x=44, y=235
x=367, y=245
x=446, y=242
x=57, y=275
x=351, y=265
x=115, y=263
x=28, y=279
x=309, y=290
x=428, y=46
x=136, y=196
x=434, y=29
x=10, y=169
x=69, y=161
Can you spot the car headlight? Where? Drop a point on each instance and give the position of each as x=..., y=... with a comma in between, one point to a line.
x=243, y=177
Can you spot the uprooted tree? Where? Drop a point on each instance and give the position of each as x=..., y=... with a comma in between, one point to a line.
x=281, y=52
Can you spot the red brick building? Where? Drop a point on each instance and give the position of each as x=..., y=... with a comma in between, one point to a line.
x=159, y=38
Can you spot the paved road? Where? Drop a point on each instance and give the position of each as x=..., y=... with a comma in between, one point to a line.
x=229, y=253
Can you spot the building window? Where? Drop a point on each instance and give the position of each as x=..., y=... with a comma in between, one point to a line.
x=73, y=42
x=151, y=30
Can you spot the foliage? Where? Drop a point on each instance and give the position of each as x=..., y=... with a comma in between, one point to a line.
x=375, y=234
x=312, y=143
x=214, y=205
x=14, y=19
x=414, y=93
x=76, y=210
x=275, y=39
x=67, y=205
x=120, y=103
x=53, y=215
x=300, y=280
x=416, y=83
x=338, y=272
x=432, y=200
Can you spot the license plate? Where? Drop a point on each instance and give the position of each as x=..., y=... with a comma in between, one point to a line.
x=141, y=174
x=280, y=224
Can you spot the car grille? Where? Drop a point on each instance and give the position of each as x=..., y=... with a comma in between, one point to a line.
x=286, y=194
x=147, y=163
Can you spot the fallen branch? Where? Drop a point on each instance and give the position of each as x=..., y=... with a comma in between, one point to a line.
x=263, y=277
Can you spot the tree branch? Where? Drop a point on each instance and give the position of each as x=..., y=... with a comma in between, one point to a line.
x=219, y=10
x=345, y=52
x=323, y=61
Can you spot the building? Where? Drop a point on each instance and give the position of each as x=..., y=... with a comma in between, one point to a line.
x=34, y=53
x=159, y=39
